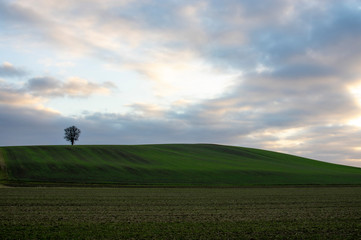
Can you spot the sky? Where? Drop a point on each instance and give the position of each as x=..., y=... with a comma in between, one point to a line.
x=280, y=75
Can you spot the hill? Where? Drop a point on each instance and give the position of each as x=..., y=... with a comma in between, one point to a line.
x=166, y=164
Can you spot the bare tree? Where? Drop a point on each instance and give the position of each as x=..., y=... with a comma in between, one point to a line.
x=72, y=134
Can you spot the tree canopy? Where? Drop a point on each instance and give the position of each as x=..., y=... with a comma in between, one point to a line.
x=72, y=134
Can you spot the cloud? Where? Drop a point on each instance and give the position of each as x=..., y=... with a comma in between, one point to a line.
x=239, y=34
x=30, y=126
x=38, y=91
x=72, y=87
x=182, y=74
x=8, y=70
x=15, y=97
x=10, y=94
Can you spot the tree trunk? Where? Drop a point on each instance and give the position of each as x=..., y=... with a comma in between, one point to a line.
x=72, y=142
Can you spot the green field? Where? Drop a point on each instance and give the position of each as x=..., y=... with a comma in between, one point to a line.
x=181, y=213
x=167, y=164
x=183, y=191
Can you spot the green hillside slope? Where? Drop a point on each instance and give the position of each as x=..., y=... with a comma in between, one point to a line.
x=167, y=164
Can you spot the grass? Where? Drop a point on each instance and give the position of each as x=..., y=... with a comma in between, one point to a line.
x=167, y=164
x=3, y=170
x=181, y=213
x=321, y=210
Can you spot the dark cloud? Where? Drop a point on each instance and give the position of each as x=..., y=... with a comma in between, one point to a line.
x=29, y=126
x=43, y=84
x=287, y=34
x=12, y=11
x=37, y=91
x=8, y=70
x=73, y=87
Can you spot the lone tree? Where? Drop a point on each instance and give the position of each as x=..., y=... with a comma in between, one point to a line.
x=72, y=134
